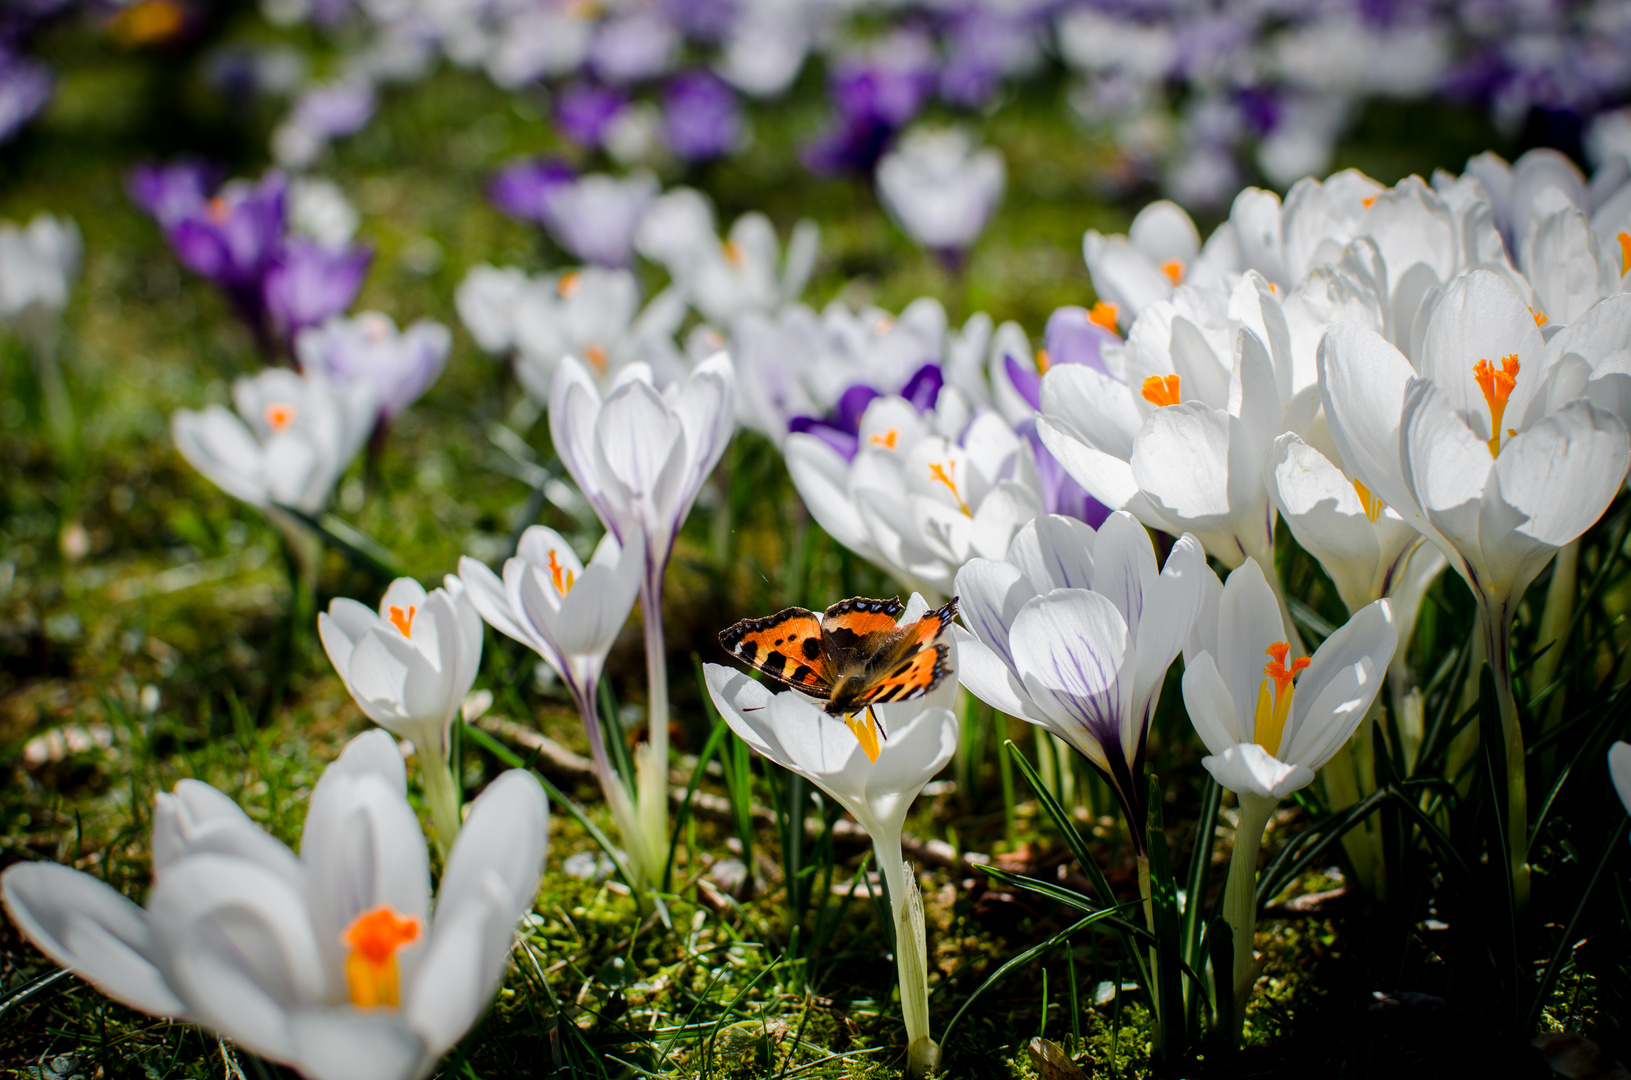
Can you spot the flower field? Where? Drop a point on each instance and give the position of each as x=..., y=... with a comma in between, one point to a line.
x=788, y=538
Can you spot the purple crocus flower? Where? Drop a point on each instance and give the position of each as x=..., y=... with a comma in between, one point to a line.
x=25, y=87
x=584, y=111
x=523, y=189
x=841, y=430
x=700, y=117
x=232, y=239
x=307, y=283
x=874, y=93
x=1061, y=494
x=171, y=192
x=400, y=366
x=1071, y=337
x=335, y=110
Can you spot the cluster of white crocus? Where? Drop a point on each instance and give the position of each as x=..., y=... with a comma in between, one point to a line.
x=940, y=190
x=333, y=961
x=920, y=738
x=292, y=437
x=925, y=492
x=592, y=314
x=410, y=667
x=1412, y=376
x=640, y=455
x=726, y=278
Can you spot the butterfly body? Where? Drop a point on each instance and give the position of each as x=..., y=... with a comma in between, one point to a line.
x=853, y=655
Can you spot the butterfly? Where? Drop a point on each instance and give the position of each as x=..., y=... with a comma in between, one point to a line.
x=854, y=655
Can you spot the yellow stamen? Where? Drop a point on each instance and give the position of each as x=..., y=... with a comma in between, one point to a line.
x=885, y=439
x=570, y=282
x=402, y=620
x=1274, y=705
x=564, y=579
x=1160, y=390
x=279, y=415
x=1373, y=506
x=734, y=253
x=1104, y=314
x=866, y=732
x=1539, y=317
x=1625, y=253
x=1043, y=361
x=147, y=22
x=597, y=356
x=1174, y=271
x=947, y=474
x=1497, y=388
x=370, y=968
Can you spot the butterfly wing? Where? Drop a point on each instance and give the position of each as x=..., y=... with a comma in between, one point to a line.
x=905, y=664
x=785, y=646
x=854, y=630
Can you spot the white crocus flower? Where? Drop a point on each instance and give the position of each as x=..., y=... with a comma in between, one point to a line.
x=486, y=301
x=920, y=737
x=1194, y=460
x=571, y=614
x=1074, y=633
x=1144, y=267
x=38, y=265
x=410, y=667
x=1477, y=455
x=292, y=438
x=940, y=190
x=334, y=962
x=640, y=455
x=1619, y=770
x=594, y=314
x=595, y=217
x=724, y=279
x=1270, y=720
x=1568, y=266
x=925, y=492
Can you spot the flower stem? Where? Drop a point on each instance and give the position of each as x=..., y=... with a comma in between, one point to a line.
x=911, y=955
x=612, y=788
x=1497, y=622
x=1240, y=897
x=651, y=760
x=441, y=792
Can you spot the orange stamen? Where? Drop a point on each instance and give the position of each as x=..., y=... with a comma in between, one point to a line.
x=563, y=578
x=734, y=253
x=1160, y=390
x=1625, y=253
x=371, y=969
x=217, y=211
x=570, y=282
x=1497, y=388
x=1104, y=314
x=1368, y=201
x=279, y=415
x=1174, y=271
x=886, y=439
x=147, y=23
x=597, y=356
x=1043, y=361
x=1539, y=317
x=1274, y=705
x=1277, y=668
x=1373, y=506
x=947, y=474
x=403, y=621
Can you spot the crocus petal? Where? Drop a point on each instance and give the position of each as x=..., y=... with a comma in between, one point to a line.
x=333, y=1044
x=1211, y=707
x=85, y=926
x=1248, y=769
x=1341, y=681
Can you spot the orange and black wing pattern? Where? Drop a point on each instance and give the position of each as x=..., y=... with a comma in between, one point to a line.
x=916, y=664
x=786, y=646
